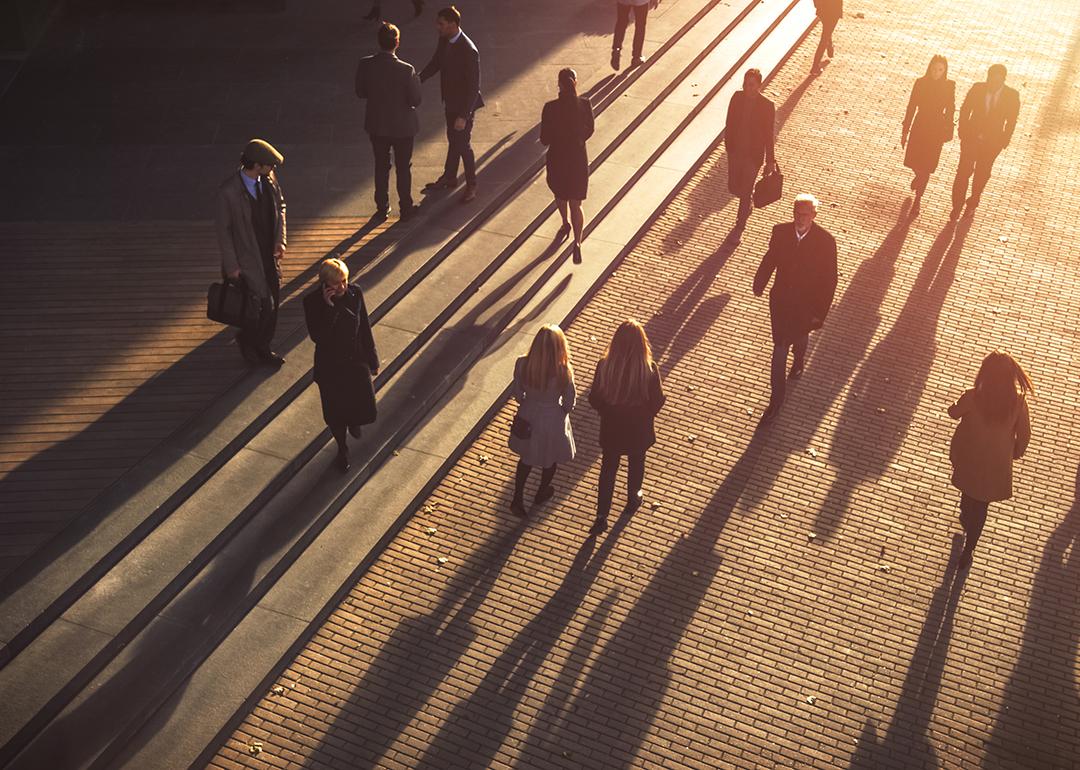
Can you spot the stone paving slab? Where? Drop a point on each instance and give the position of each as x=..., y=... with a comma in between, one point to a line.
x=783, y=597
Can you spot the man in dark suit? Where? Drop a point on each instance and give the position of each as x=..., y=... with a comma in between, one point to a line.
x=392, y=90
x=748, y=139
x=803, y=256
x=829, y=12
x=458, y=63
x=985, y=126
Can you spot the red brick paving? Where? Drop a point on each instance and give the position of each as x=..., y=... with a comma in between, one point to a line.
x=782, y=599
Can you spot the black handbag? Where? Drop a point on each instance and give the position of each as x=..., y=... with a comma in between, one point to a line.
x=520, y=427
x=230, y=302
x=769, y=189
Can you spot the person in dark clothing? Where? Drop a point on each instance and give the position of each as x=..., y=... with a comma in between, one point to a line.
x=392, y=90
x=928, y=124
x=623, y=8
x=458, y=63
x=628, y=394
x=249, y=216
x=749, y=140
x=375, y=13
x=345, y=357
x=803, y=256
x=829, y=12
x=985, y=125
x=565, y=124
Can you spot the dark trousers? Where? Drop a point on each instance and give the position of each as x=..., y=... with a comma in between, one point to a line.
x=622, y=18
x=778, y=375
x=975, y=160
x=972, y=518
x=825, y=44
x=460, y=149
x=742, y=173
x=402, y=148
x=260, y=337
x=609, y=467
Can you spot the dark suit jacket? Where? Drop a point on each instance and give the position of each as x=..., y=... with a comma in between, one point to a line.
x=993, y=129
x=392, y=90
x=829, y=9
x=458, y=66
x=805, y=283
x=342, y=333
x=750, y=136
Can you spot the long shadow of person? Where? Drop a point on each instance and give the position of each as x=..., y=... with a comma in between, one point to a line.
x=890, y=382
x=618, y=700
x=1036, y=725
x=907, y=737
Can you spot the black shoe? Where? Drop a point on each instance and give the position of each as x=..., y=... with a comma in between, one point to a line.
x=272, y=359
x=564, y=233
x=442, y=183
x=355, y=431
x=599, y=527
x=770, y=414
x=544, y=494
x=517, y=507
x=577, y=254
x=635, y=501
x=616, y=58
x=374, y=14
x=418, y=6
x=408, y=212
x=381, y=215
x=796, y=371
x=343, y=463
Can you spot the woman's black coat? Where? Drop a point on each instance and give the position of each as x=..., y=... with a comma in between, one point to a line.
x=629, y=428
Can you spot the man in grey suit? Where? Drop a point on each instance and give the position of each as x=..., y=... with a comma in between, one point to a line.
x=392, y=90
x=250, y=219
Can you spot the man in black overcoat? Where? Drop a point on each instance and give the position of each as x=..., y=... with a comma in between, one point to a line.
x=803, y=256
x=749, y=140
x=458, y=63
x=392, y=90
x=985, y=126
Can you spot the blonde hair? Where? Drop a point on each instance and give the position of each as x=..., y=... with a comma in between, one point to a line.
x=548, y=359
x=333, y=271
x=625, y=372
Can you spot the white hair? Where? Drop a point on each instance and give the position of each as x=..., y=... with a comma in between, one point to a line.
x=807, y=198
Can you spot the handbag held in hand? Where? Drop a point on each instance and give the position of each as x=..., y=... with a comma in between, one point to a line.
x=769, y=189
x=231, y=303
x=520, y=427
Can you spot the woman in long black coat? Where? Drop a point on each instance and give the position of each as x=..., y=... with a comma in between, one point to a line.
x=928, y=123
x=565, y=124
x=345, y=355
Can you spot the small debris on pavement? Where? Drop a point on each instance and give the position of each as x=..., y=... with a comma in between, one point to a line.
x=255, y=748
x=430, y=530
x=483, y=459
x=442, y=560
x=277, y=690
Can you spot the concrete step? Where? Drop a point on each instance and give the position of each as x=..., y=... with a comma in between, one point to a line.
x=133, y=692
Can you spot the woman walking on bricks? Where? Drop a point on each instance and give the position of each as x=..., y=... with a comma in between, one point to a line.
x=994, y=430
x=928, y=124
x=345, y=355
x=541, y=434
x=628, y=394
x=565, y=124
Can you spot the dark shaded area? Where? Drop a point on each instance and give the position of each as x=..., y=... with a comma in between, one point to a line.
x=1040, y=711
x=907, y=736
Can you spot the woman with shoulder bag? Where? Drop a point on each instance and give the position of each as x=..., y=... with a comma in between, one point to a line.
x=628, y=394
x=345, y=355
x=541, y=434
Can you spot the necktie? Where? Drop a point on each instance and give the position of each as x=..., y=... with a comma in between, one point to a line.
x=258, y=190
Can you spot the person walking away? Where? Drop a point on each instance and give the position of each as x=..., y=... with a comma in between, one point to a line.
x=803, y=256
x=249, y=216
x=458, y=63
x=542, y=435
x=928, y=124
x=748, y=140
x=565, y=124
x=829, y=12
x=994, y=430
x=392, y=90
x=346, y=360
x=623, y=8
x=985, y=125
x=628, y=394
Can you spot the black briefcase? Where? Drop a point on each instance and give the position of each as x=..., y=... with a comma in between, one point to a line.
x=231, y=303
x=769, y=189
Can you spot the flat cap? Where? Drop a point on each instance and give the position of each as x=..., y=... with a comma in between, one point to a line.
x=261, y=151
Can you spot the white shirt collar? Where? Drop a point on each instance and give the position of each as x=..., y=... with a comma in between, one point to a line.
x=455, y=38
x=799, y=236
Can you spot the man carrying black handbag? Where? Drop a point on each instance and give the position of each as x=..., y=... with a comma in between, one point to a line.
x=250, y=219
x=748, y=139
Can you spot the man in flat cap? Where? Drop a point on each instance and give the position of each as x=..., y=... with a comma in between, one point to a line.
x=250, y=218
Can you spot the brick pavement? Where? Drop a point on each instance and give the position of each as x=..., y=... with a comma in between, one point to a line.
x=782, y=599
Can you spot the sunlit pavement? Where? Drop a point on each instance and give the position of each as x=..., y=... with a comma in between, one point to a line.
x=783, y=598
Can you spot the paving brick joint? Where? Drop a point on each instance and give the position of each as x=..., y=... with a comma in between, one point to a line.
x=782, y=599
